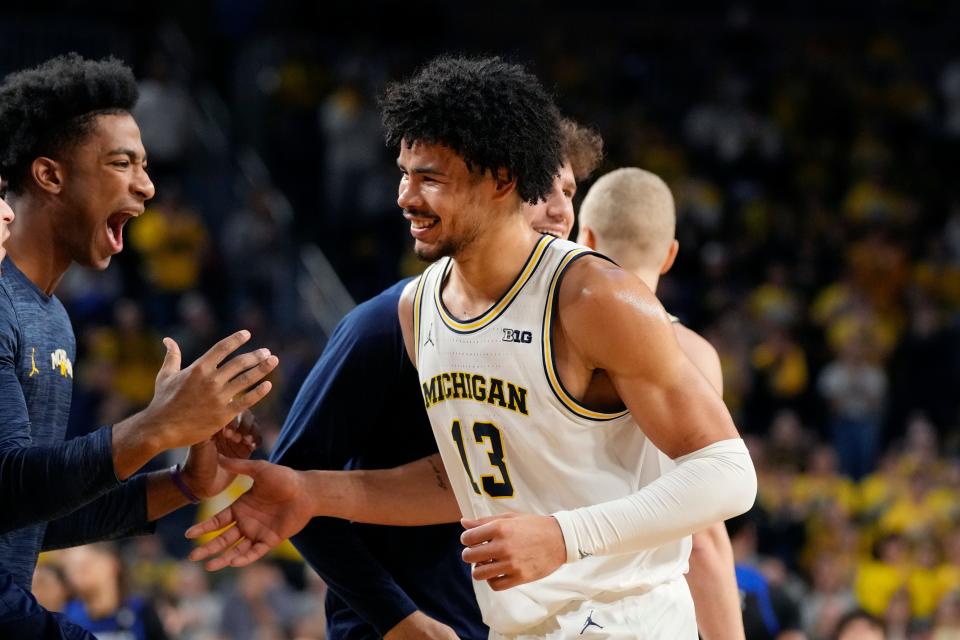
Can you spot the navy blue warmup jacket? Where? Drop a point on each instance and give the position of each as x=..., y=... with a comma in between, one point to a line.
x=53, y=494
x=361, y=408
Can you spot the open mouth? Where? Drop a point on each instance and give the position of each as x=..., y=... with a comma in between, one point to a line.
x=115, y=228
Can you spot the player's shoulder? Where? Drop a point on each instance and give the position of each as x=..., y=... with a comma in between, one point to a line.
x=404, y=307
x=408, y=292
x=596, y=286
x=692, y=342
x=408, y=296
x=701, y=353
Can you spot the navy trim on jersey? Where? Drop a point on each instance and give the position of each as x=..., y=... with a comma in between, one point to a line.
x=578, y=408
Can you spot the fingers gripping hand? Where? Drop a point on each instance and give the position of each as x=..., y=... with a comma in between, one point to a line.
x=239, y=437
x=512, y=549
x=272, y=510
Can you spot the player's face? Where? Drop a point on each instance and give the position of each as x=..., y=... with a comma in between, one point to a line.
x=105, y=184
x=442, y=199
x=554, y=214
x=6, y=217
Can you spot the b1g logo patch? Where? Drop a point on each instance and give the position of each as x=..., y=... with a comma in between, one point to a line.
x=515, y=335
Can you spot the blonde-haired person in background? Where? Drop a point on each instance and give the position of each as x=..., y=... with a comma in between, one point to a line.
x=629, y=216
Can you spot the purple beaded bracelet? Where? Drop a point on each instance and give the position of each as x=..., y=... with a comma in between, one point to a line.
x=184, y=489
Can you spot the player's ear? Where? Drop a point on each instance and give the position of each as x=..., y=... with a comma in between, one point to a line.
x=48, y=174
x=505, y=182
x=587, y=238
x=671, y=256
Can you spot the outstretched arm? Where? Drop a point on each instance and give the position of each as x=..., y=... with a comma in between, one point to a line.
x=131, y=508
x=282, y=501
x=180, y=414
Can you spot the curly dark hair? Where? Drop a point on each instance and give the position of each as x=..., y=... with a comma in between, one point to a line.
x=494, y=114
x=582, y=146
x=45, y=110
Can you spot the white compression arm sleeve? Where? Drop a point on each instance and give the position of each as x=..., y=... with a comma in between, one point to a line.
x=712, y=484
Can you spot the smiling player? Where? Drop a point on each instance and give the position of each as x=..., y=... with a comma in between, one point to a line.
x=553, y=381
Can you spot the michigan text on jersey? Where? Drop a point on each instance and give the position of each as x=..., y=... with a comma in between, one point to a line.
x=457, y=385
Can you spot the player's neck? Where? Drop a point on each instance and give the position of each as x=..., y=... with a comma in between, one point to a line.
x=33, y=246
x=650, y=278
x=484, y=270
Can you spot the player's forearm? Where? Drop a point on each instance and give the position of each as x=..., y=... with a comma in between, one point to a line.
x=413, y=494
x=41, y=483
x=119, y=513
x=163, y=496
x=136, y=441
x=713, y=584
x=709, y=485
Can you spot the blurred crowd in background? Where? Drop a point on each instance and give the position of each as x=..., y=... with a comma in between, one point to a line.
x=813, y=162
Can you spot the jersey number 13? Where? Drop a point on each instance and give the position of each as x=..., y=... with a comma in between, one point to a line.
x=485, y=433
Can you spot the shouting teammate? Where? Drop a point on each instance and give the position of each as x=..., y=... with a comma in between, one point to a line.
x=552, y=380
x=76, y=173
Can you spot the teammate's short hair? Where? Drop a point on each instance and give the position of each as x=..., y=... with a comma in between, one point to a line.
x=632, y=215
x=45, y=110
x=494, y=114
x=582, y=146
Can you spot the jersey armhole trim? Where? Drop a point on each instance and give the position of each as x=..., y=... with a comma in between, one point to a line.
x=549, y=356
x=417, y=303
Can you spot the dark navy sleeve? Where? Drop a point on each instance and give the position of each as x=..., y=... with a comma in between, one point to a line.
x=341, y=558
x=326, y=427
x=117, y=514
x=41, y=483
x=21, y=616
x=38, y=484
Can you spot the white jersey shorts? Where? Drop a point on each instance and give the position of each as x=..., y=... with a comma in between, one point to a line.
x=663, y=613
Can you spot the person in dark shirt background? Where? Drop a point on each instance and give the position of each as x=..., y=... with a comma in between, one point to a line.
x=769, y=613
x=76, y=173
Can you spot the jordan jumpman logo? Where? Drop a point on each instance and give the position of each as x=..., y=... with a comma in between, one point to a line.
x=33, y=363
x=590, y=623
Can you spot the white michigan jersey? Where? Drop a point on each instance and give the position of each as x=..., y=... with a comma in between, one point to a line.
x=513, y=440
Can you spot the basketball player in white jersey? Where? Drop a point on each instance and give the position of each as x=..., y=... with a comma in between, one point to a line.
x=534, y=356
x=629, y=216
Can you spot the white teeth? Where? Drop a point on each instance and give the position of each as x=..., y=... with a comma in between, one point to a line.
x=548, y=232
x=419, y=224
